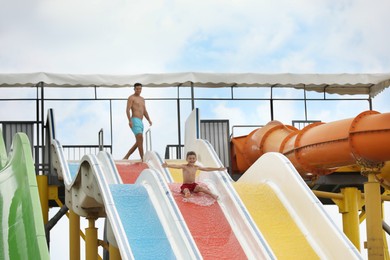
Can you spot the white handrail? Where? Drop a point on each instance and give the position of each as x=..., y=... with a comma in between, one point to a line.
x=148, y=138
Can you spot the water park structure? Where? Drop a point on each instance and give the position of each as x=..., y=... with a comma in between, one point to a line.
x=272, y=195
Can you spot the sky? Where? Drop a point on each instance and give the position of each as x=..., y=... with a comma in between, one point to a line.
x=131, y=37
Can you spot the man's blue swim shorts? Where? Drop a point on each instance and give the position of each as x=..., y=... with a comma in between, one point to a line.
x=138, y=126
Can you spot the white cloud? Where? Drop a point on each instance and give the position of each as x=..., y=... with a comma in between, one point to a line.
x=235, y=114
x=134, y=37
x=381, y=101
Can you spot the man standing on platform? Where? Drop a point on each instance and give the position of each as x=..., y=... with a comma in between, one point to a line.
x=136, y=111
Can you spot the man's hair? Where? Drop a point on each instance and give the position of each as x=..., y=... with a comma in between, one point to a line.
x=137, y=84
x=190, y=153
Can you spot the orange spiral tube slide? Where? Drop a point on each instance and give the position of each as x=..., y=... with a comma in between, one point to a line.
x=319, y=148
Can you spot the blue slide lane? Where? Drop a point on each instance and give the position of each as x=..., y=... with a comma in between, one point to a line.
x=73, y=167
x=143, y=228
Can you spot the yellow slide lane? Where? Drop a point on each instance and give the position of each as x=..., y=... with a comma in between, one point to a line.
x=291, y=219
x=177, y=175
x=275, y=223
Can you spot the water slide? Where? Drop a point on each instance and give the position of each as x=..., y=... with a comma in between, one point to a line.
x=215, y=236
x=320, y=148
x=288, y=214
x=290, y=218
x=144, y=222
x=221, y=229
x=146, y=217
x=22, y=232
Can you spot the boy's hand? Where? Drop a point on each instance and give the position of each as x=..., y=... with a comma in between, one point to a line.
x=165, y=165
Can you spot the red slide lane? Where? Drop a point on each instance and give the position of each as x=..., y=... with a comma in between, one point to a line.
x=130, y=171
x=210, y=229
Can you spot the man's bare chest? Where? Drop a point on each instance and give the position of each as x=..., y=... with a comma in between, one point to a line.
x=139, y=103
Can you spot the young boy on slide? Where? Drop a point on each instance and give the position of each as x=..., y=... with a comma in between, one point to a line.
x=189, y=173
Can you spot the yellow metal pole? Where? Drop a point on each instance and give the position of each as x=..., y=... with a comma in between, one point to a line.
x=114, y=253
x=385, y=245
x=328, y=195
x=91, y=241
x=373, y=203
x=43, y=196
x=350, y=214
x=74, y=235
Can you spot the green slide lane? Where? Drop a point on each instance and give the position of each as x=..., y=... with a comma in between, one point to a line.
x=22, y=233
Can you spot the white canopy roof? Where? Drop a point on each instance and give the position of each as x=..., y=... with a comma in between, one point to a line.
x=352, y=84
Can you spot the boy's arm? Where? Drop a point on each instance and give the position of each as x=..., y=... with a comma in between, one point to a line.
x=210, y=169
x=174, y=166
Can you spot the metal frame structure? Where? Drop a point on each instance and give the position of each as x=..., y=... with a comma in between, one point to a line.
x=40, y=109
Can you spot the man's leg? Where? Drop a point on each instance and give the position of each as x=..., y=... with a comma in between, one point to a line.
x=131, y=150
x=140, y=144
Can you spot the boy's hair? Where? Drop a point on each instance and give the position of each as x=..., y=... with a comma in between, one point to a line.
x=137, y=84
x=190, y=153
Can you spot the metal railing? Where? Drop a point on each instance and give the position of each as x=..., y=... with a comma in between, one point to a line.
x=30, y=128
x=174, y=151
x=101, y=140
x=244, y=126
x=300, y=124
x=148, y=139
x=76, y=152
